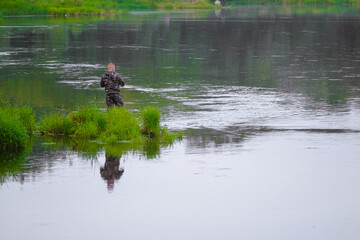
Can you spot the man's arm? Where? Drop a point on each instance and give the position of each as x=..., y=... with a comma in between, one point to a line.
x=120, y=80
x=103, y=82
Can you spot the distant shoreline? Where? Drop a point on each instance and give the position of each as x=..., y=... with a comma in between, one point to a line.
x=95, y=7
x=102, y=8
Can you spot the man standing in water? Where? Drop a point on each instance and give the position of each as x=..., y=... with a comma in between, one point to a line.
x=112, y=81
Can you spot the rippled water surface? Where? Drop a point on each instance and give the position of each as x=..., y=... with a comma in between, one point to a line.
x=268, y=99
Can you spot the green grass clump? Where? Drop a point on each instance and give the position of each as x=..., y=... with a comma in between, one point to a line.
x=89, y=122
x=57, y=124
x=121, y=125
x=150, y=117
x=16, y=123
x=27, y=118
x=13, y=134
x=150, y=121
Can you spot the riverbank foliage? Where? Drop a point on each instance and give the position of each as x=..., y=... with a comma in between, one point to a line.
x=17, y=124
x=294, y=2
x=102, y=7
x=99, y=7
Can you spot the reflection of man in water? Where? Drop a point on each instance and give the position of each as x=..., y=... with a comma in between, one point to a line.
x=223, y=2
x=111, y=170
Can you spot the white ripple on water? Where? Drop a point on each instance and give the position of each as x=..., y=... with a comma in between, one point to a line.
x=81, y=84
x=5, y=53
x=226, y=106
x=71, y=66
x=222, y=107
x=154, y=90
x=81, y=65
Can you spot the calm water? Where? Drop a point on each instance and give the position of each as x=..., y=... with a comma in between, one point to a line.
x=268, y=100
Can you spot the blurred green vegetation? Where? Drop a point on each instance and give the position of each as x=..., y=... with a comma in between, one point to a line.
x=79, y=7
x=298, y=2
x=100, y=7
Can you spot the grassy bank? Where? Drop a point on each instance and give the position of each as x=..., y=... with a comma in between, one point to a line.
x=102, y=7
x=98, y=7
x=294, y=2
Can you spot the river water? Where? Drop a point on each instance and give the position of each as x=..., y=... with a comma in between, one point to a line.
x=268, y=99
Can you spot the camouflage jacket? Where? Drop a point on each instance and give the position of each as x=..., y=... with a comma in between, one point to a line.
x=112, y=81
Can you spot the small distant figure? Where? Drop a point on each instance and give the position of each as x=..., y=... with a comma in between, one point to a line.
x=223, y=2
x=112, y=81
x=111, y=171
x=220, y=2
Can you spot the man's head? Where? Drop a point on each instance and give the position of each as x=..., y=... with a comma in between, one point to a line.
x=111, y=67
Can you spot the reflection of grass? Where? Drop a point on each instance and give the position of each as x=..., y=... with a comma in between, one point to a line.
x=12, y=163
x=84, y=147
x=151, y=148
